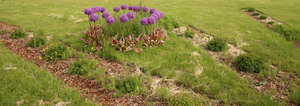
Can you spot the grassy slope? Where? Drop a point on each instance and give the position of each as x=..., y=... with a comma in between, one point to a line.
x=30, y=84
x=219, y=17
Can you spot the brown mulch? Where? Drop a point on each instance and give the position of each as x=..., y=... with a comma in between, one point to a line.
x=88, y=88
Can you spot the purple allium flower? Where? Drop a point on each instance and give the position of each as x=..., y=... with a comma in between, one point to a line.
x=110, y=20
x=136, y=8
x=105, y=14
x=130, y=8
x=130, y=15
x=155, y=15
x=124, y=18
x=116, y=9
x=151, y=20
x=161, y=15
x=144, y=21
x=88, y=11
x=94, y=17
x=96, y=9
x=145, y=9
x=123, y=7
x=152, y=10
x=102, y=10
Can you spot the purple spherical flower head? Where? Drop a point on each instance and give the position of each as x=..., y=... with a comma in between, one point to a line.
x=130, y=8
x=103, y=10
x=130, y=15
x=136, y=8
x=151, y=20
x=94, y=17
x=144, y=21
x=88, y=11
x=152, y=10
x=156, y=15
x=161, y=15
x=105, y=14
x=116, y=9
x=124, y=18
x=145, y=9
x=123, y=7
x=110, y=20
x=96, y=9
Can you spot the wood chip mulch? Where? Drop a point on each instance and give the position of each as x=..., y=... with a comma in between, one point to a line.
x=88, y=88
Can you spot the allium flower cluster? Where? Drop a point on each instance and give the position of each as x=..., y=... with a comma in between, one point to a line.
x=124, y=18
x=116, y=9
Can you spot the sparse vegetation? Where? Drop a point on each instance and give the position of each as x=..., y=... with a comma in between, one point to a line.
x=4, y=31
x=18, y=34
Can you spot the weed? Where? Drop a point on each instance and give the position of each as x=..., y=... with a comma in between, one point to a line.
x=162, y=93
x=271, y=23
x=109, y=53
x=36, y=42
x=255, y=14
x=294, y=95
x=129, y=85
x=250, y=9
x=57, y=52
x=216, y=45
x=185, y=100
x=189, y=33
x=249, y=63
x=83, y=66
x=263, y=17
x=4, y=31
x=18, y=34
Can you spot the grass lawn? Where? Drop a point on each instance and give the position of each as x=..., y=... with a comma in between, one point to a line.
x=221, y=18
x=22, y=83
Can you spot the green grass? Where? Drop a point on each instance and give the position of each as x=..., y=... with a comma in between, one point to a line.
x=23, y=81
x=221, y=18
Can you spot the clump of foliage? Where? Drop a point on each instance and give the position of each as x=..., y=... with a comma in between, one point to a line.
x=83, y=66
x=294, y=95
x=170, y=23
x=263, y=17
x=271, y=23
x=249, y=63
x=162, y=93
x=185, y=99
x=289, y=33
x=255, y=14
x=4, y=31
x=18, y=34
x=109, y=53
x=36, y=42
x=57, y=52
x=250, y=9
x=217, y=45
x=129, y=85
x=189, y=33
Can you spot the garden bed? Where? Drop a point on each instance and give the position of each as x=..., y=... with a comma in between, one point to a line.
x=285, y=30
x=265, y=82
